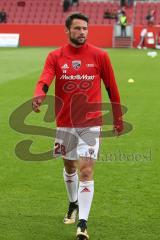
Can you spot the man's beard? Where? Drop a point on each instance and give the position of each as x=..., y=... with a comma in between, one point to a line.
x=76, y=42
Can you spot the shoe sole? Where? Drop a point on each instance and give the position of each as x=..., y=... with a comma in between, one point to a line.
x=71, y=220
x=81, y=237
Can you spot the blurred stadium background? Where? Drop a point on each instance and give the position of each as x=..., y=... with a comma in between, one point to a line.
x=127, y=176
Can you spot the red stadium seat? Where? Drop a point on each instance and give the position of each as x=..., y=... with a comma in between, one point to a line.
x=51, y=11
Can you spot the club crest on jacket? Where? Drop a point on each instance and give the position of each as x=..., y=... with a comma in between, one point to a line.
x=76, y=64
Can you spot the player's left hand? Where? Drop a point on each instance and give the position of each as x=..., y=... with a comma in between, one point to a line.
x=118, y=129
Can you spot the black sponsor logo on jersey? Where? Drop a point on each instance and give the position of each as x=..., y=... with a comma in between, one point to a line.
x=76, y=64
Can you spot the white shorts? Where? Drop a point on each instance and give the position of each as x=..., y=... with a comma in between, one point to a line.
x=73, y=143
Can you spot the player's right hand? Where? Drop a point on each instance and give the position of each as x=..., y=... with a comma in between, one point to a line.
x=36, y=103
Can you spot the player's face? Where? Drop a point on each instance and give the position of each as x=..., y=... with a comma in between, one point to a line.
x=78, y=32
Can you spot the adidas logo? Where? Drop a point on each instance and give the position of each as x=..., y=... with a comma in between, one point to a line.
x=85, y=190
x=65, y=66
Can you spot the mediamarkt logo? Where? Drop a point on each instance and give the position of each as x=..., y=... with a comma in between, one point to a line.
x=77, y=77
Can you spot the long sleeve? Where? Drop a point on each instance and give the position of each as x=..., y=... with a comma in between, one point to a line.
x=46, y=77
x=108, y=77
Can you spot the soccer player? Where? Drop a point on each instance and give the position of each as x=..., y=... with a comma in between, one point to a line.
x=78, y=68
x=143, y=35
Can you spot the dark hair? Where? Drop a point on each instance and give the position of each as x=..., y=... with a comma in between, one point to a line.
x=75, y=15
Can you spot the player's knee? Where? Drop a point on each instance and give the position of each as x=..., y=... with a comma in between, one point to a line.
x=70, y=166
x=86, y=174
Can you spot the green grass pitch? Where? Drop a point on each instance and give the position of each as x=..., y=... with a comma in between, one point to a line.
x=127, y=195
